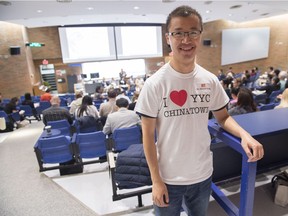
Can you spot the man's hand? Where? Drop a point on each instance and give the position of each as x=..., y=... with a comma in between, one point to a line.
x=160, y=194
x=254, y=150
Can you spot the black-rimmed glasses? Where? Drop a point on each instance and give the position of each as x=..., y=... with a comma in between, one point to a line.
x=181, y=35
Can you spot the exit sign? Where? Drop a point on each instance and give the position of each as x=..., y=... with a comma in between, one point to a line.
x=35, y=44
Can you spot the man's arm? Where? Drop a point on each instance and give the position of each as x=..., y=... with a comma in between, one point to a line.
x=254, y=150
x=158, y=187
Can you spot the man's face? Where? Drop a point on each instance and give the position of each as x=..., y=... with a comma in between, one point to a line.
x=184, y=49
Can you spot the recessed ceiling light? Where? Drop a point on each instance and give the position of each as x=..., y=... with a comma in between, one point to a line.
x=208, y=11
x=230, y=15
x=90, y=8
x=136, y=8
x=264, y=14
x=5, y=3
x=39, y=11
x=235, y=6
x=208, y=2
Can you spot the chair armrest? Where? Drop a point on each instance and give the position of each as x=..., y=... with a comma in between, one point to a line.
x=110, y=159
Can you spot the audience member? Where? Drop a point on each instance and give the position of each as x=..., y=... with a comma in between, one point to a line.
x=122, y=94
x=134, y=101
x=109, y=106
x=123, y=118
x=46, y=96
x=87, y=108
x=76, y=103
x=12, y=106
x=55, y=112
x=245, y=103
x=282, y=77
x=221, y=74
x=270, y=87
x=28, y=101
x=99, y=93
x=284, y=100
x=234, y=94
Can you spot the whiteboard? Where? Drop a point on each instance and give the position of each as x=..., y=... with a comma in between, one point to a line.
x=244, y=44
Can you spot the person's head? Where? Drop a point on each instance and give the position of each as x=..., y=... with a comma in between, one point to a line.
x=47, y=90
x=55, y=100
x=246, y=99
x=135, y=96
x=122, y=103
x=87, y=100
x=234, y=92
x=14, y=100
x=78, y=94
x=275, y=80
x=27, y=96
x=283, y=75
x=99, y=89
x=184, y=27
x=112, y=93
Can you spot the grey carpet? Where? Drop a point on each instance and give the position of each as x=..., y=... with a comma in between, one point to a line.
x=23, y=190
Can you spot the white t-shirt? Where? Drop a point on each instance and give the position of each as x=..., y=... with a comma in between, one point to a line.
x=181, y=104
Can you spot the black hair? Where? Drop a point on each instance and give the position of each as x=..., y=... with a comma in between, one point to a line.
x=27, y=96
x=183, y=11
x=86, y=101
x=122, y=102
x=112, y=94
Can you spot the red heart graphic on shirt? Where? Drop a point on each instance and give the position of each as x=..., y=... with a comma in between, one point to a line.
x=179, y=98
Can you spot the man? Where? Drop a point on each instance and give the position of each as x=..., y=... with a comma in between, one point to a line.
x=76, y=103
x=55, y=112
x=123, y=118
x=109, y=106
x=46, y=96
x=175, y=102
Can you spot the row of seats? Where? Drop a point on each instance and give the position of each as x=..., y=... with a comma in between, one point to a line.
x=63, y=148
x=264, y=99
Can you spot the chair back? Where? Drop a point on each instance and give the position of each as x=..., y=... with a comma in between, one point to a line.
x=42, y=106
x=88, y=124
x=266, y=106
x=273, y=96
x=62, y=125
x=124, y=137
x=27, y=109
x=91, y=145
x=260, y=99
x=55, y=149
x=4, y=115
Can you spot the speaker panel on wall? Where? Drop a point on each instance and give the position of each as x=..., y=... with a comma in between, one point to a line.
x=207, y=42
x=14, y=50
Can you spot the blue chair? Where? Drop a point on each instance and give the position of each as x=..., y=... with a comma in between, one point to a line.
x=62, y=125
x=272, y=97
x=42, y=106
x=266, y=106
x=122, y=138
x=91, y=145
x=260, y=99
x=30, y=113
x=54, y=150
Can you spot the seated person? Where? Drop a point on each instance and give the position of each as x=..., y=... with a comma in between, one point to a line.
x=28, y=101
x=245, y=103
x=46, y=96
x=76, y=103
x=87, y=108
x=55, y=112
x=123, y=118
x=270, y=87
x=109, y=106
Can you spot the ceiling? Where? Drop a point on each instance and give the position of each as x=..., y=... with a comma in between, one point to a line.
x=76, y=12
